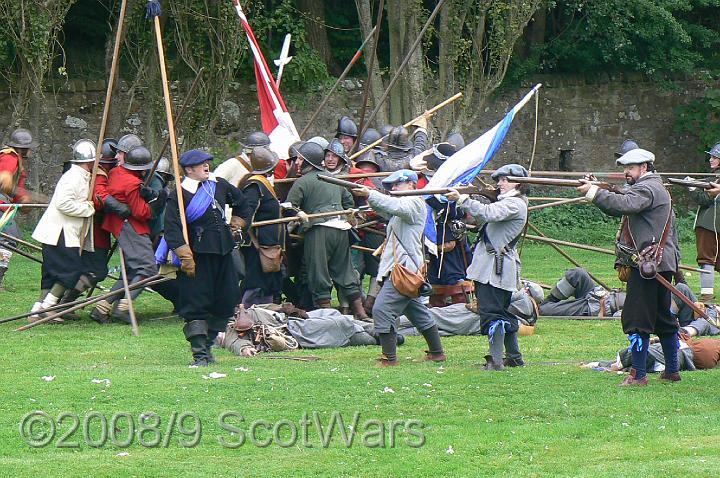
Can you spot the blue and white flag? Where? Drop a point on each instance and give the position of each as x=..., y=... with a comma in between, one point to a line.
x=462, y=167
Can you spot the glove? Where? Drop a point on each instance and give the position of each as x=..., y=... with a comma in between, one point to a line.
x=418, y=163
x=113, y=205
x=187, y=263
x=6, y=182
x=148, y=193
x=158, y=203
x=236, y=222
x=420, y=122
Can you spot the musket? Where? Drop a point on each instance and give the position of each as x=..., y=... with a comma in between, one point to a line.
x=690, y=183
x=470, y=189
x=339, y=182
x=282, y=220
x=674, y=290
x=571, y=183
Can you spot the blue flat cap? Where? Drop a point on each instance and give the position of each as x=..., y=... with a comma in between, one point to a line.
x=400, y=176
x=509, y=170
x=194, y=156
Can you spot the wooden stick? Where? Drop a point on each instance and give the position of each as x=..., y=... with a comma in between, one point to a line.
x=349, y=66
x=399, y=70
x=427, y=113
x=4, y=207
x=105, y=117
x=79, y=304
x=370, y=71
x=183, y=107
x=558, y=203
x=564, y=254
x=600, y=250
x=20, y=241
x=171, y=127
x=128, y=297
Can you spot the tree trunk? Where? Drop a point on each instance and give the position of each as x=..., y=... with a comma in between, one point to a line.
x=396, y=33
x=316, y=33
x=414, y=78
x=366, y=17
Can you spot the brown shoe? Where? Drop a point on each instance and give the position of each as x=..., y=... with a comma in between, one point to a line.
x=435, y=357
x=368, y=304
x=631, y=380
x=670, y=377
x=383, y=361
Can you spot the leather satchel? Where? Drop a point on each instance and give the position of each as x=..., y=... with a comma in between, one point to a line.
x=405, y=281
x=270, y=256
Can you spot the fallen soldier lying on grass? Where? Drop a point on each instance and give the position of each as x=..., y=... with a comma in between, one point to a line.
x=277, y=328
x=694, y=354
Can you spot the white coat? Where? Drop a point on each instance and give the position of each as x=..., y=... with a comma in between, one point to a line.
x=68, y=208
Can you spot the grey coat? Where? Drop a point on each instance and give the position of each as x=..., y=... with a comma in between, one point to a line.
x=647, y=205
x=395, y=160
x=505, y=220
x=708, y=210
x=407, y=216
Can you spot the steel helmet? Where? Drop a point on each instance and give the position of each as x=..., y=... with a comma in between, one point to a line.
x=138, y=159
x=263, y=160
x=21, y=138
x=347, y=127
x=83, y=151
x=126, y=143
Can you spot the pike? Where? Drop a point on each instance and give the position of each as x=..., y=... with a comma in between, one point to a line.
x=284, y=58
x=20, y=241
x=4, y=207
x=370, y=71
x=601, y=250
x=183, y=107
x=105, y=117
x=80, y=303
x=427, y=114
x=399, y=70
x=21, y=252
x=559, y=202
x=353, y=60
x=126, y=288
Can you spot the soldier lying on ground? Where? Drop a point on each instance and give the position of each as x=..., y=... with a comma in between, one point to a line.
x=694, y=354
x=284, y=327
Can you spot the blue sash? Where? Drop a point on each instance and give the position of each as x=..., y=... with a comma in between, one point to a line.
x=201, y=201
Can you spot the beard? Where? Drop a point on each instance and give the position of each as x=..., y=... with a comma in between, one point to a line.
x=629, y=180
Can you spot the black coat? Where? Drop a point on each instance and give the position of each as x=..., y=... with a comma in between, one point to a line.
x=210, y=233
x=263, y=206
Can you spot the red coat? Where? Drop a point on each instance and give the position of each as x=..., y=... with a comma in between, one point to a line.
x=11, y=162
x=101, y=238
x=367, y=182
x=124, y=185
x=280, y=170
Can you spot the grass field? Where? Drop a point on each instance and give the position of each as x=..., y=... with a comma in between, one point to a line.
x=541, y=420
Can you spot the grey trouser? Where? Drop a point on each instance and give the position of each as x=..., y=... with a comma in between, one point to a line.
x=391, y=304
x=139, y=258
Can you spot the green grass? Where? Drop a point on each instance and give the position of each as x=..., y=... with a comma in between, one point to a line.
x=541, y=420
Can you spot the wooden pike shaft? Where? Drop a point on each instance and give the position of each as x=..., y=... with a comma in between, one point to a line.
x=428, y=113
x=4, y=207
x=370, y=71
x=128, y=297
x=600, y=250
x=22, y=253
x=106, y=115
x=564, y=254
x=20, y=241
x=557, y=203
x=183, y=107
x=171, y=127
x=402, y=66
x=79, y=304
x=349, y=66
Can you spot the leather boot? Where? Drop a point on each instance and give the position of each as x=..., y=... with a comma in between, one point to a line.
x=670, y=376
x=491, y=364
x=632, y=380
x=513, y=357
x=212, y=335
x=323, y=304
x=369, y=304
x=345, y=310
x=196, y=332
x=101, y=312
x=358, y=311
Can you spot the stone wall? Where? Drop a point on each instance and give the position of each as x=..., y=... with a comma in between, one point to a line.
x=589, y=115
